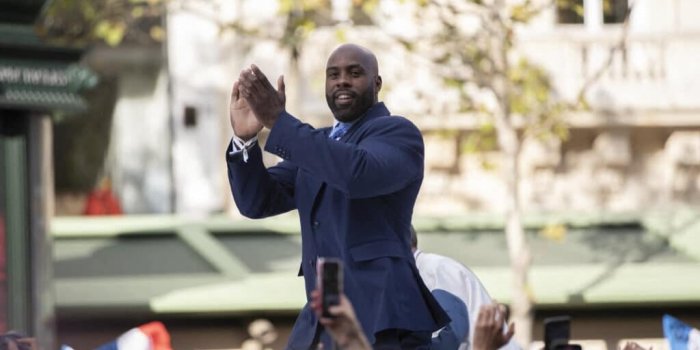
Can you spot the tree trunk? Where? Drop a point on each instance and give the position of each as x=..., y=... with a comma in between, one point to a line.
x=518, y=249
x=509, y=143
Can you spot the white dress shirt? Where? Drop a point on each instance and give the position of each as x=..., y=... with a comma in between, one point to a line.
x=441, y=272
x=238, y=146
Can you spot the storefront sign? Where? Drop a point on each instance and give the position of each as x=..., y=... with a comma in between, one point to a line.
x=44, y=85
x=30, y=75
x=33, y=76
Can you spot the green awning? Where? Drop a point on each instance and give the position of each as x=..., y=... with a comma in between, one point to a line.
x=164, y=264
x=39, y=76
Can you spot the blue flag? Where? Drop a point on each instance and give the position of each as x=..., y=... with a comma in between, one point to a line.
x=680, y=335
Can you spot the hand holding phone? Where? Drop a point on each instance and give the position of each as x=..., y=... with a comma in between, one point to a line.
x=329, y=282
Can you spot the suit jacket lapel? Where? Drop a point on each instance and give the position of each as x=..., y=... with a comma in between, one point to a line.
x=378, y=110
x=316, y=187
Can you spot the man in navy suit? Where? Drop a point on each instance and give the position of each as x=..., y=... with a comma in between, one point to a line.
x=354, y=186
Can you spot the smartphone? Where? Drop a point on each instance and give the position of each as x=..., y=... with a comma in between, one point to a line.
x=568, y=347
x=557, y=331
x=330, y=282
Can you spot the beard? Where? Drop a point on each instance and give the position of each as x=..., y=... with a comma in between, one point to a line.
x=359, y=105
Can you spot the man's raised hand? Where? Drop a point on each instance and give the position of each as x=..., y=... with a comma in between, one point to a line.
x=266, y=102
x=243, y=121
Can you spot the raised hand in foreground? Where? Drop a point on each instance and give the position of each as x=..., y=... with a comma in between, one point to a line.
x=488, y=332
x=343, y=326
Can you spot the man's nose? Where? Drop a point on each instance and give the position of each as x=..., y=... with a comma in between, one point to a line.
x=343, y=80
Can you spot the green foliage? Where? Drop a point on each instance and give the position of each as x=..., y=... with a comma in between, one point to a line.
x=483, y=66
x=83, y=22
x=368, y=6
x=532, y=98
x=483, y=139
x=302, y=17
x=523, y=13
x=111, y=32
x=341, y=35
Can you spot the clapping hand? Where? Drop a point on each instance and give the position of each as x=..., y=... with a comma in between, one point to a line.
x=265, y=102
x=244, y=123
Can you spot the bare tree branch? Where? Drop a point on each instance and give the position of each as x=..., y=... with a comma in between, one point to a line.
x=622, y=42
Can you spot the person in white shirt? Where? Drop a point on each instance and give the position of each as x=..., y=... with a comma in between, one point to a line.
x=446, y=276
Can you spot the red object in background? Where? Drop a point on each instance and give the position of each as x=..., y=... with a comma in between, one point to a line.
x=156, y=331
x=101, y=201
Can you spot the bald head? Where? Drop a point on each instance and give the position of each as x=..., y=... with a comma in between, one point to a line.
x=362, y=53
x=352, y=81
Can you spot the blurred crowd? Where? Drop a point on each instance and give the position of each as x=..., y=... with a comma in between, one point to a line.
x=345, y=329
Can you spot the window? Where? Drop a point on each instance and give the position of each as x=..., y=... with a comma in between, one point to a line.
x=570, y=12
x=591, y=11
x=614, y=11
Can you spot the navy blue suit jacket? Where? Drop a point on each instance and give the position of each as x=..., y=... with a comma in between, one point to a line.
x=355, y=199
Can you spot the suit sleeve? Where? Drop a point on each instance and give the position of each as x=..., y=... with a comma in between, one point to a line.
x=260, y=192
x=388, y=156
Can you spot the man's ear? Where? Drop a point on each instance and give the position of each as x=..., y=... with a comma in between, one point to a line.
x=378, y=83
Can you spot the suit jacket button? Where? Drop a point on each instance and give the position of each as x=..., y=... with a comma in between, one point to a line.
x=316, y=224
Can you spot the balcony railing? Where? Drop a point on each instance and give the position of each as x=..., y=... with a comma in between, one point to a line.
x=648, y=71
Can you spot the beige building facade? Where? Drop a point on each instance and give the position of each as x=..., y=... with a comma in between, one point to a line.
x=638, y=147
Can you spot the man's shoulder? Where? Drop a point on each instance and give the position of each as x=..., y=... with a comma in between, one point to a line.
x=391, y=124
x=379, y=114
x=449, y=274
x=391, y=119
x=436, y=262
x=444, y=264
x=440, y=259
